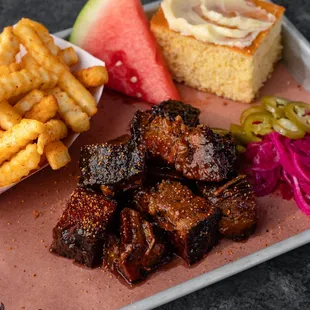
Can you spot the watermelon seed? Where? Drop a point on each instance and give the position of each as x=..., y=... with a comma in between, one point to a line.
x=118, y=64
x=134, y=79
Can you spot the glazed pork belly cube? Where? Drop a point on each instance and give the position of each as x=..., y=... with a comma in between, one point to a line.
x=114, y=166
x=82, y=228
x=190, y=221
x=141, y=247
x=236, y=200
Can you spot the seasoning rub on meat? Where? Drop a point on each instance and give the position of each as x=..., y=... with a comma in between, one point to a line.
x=140, y=248
x=197, y=152
x=83, y=227
x=190, y=221
x=235, y=198
x=165, y=189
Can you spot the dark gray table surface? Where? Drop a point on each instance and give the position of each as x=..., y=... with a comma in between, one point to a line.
x=282, y=283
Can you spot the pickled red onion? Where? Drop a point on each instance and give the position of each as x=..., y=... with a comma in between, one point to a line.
x=278, y=162
x=301, y=198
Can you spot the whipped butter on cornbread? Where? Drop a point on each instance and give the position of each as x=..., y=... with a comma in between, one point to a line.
x=225, y=22
x=227, y=47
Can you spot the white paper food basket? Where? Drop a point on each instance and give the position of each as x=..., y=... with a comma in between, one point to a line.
x=85, y=60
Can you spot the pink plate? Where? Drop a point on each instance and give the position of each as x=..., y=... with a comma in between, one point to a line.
x=33, y=278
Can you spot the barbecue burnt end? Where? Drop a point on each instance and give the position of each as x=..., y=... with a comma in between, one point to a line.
x=197, y=152
x=157, y=170
x=140, y=249
x=236, y=200
x=114, y=166
x=206, y=156
x=190, y=221
x=83, y=227
x=152, y=176
x=172, y=108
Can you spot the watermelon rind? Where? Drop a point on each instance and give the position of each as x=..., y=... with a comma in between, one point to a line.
x=85, y=20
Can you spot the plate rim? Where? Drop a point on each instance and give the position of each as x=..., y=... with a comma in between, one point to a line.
x=221, y=273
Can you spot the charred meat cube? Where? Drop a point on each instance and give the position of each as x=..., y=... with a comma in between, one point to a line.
x=120, y=140
x=139, y=125
x=171, y=109
x=237, y=203
x=82, y=228
x=114, y=166
x=206, y=156
x=140, y=249
x=158, y=170
x=197, y=152
x=190, y=221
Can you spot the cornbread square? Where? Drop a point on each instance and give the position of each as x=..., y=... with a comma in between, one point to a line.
x=230, y=72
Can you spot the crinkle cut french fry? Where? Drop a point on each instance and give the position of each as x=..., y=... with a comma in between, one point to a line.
x=7, y=69
x=36, y=48
x=43, y=111
x=28, y=62
x=13, y=100
x=13, y=140
x=8, y=116
x=23, y=81
x=20, y=165
x=9, y=46
x=48, y=79
x=4, y=70
x=44, y=35
x=26, y=104
x=92, y=77
x=57, y=154
x=54, y=130
x=68, y=56
x=15, y=66
x=16, y=83
x=44, y=57
x=78, y=93
x=70, y=112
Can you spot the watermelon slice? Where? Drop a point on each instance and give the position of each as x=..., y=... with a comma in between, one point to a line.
x=117, y=32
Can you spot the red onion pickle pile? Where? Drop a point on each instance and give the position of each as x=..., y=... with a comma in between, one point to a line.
x=280, y=163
